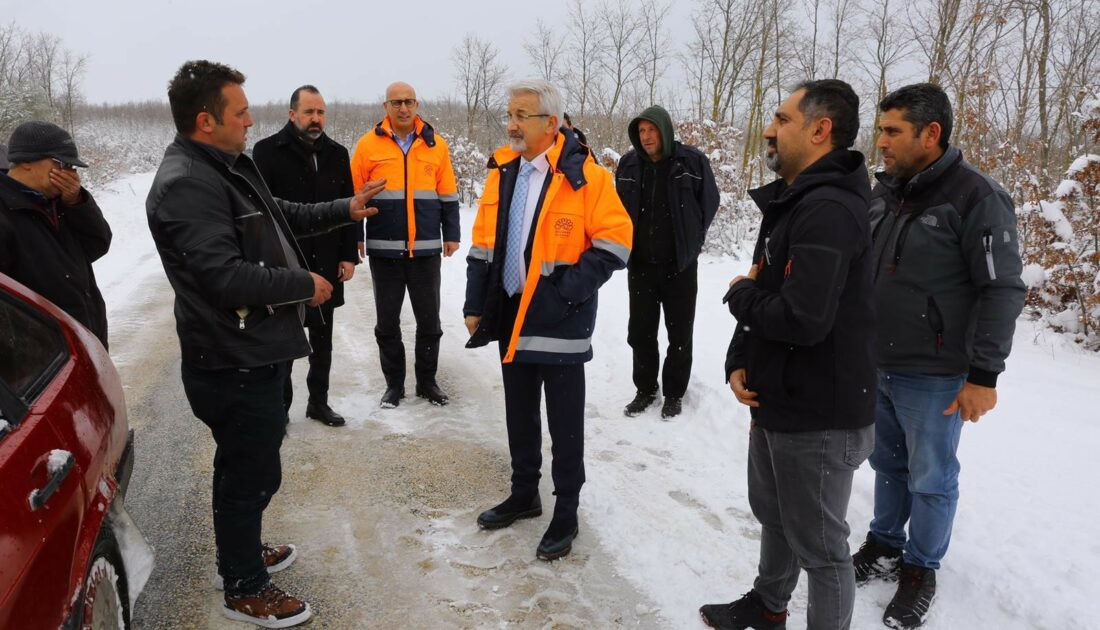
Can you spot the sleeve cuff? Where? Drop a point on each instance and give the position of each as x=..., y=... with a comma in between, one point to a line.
x=985, y=378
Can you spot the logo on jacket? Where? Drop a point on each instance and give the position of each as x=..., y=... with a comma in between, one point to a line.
x=929, y=220
x=429, y=169
x=563, y=228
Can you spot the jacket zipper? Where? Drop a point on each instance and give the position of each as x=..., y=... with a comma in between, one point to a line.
x=987, y=245
x=935, y=321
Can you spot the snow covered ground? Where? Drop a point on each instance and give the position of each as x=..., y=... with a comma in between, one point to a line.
x=667, y=500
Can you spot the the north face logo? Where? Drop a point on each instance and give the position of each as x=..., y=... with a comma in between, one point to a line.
x=563, y=227
x=929, y=220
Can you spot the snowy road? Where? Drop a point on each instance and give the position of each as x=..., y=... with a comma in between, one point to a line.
x=383, y=510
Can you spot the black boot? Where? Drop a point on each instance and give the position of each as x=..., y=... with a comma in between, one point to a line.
x=513, y=508
x=747, y=612
x=916, y=590
x=641, y=402
x=557, y=542
x=876, y=560
x=672, y=407
x=432, y=393
x=392, y=397
x=324, y=413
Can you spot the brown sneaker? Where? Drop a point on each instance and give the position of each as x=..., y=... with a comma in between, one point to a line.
x=275, y=559
x=270, y=608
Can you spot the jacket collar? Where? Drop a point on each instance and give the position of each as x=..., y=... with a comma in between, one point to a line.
x=423, y=130
x=288, y=135
x=566, y=156
x=842, y=168
x=924, y=179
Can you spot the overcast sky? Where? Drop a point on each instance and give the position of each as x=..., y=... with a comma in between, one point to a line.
x=349, y=49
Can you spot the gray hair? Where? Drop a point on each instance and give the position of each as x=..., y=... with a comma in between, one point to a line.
x=548, y=95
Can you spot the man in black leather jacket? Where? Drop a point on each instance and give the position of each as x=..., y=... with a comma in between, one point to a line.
x=228, y=249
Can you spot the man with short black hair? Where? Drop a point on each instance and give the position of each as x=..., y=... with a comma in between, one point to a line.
x=948, y=292
x=301, y=163
x=228, y=250
x=802, y=360
x=51, y=229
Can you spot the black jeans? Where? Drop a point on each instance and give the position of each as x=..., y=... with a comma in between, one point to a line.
x=654, y=286
x=244, y=410
x=391, y=278
x=523, y=386
x=320, y=364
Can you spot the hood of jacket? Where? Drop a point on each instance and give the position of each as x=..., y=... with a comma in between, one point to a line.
x=661, y=119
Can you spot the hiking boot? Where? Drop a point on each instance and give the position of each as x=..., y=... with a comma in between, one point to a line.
x=875, y=561
x=270, y=608
x=324, y=413
x=557, y=542
x=641, y=402
x=672, y=407
x=511, y=510
x=747, y=612
x=392, y=397
x=276, y=558
x=432, y=394
x=916, y=590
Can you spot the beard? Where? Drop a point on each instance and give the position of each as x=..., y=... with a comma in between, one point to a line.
x=519, y=145
x=311, y=133
x=772, y=159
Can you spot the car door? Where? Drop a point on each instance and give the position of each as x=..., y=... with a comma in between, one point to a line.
x=40, y=488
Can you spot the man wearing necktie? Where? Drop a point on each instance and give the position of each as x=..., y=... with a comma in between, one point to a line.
x=550, y=230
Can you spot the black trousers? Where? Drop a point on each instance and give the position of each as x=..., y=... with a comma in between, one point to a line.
x=392, y=277
x=320, y=364
x=654, y=286
x=244, y=410
x=523, y=387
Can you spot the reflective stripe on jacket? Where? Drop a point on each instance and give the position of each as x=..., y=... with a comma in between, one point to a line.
x=418, y=210
x=582, y=234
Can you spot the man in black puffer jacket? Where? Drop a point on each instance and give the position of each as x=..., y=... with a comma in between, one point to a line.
x=668, y=188
x=228, y=250
x=802, y=358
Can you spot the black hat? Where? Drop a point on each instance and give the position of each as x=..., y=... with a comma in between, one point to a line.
x=38, y=140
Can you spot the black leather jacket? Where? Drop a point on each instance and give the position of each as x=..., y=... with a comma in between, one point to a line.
x=217, y=230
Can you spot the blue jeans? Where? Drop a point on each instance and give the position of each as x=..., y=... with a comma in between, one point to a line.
x=915, y=464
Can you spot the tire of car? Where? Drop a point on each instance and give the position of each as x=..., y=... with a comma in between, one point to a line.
x=105, y=601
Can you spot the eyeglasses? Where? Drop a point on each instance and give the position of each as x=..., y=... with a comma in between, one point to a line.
x=63, y=166
x=398, y=102
x=519, y=117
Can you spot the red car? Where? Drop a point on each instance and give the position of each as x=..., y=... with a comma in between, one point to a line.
x=66, y=453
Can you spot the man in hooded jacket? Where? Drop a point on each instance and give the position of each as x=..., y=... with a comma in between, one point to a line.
x=669, y=190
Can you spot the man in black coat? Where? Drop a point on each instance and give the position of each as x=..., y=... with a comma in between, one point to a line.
x=668, y=188
x=300, y=163
x=51, y=229
x=802, y=358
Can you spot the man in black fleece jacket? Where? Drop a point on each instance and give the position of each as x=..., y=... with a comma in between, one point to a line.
x=668, y=188
x=802, y=358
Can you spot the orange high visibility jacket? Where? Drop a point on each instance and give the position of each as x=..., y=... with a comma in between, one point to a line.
x=582, y=234
x=418, y=210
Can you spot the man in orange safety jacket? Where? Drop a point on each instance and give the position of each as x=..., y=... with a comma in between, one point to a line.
x=550, y=230
x=416, y=222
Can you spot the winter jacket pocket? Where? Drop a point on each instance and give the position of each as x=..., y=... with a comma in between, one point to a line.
x=547, y=307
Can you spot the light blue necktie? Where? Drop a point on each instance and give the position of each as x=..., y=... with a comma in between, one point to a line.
x=513, y=259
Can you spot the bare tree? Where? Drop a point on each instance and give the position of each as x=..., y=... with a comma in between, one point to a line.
x=885, y=51
x=841, y=12
x=655, y=49
x=71, y=72
x=621, y=61
x=586, y=52
x=480, y=75
x=545, y=51
x=727, y=32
